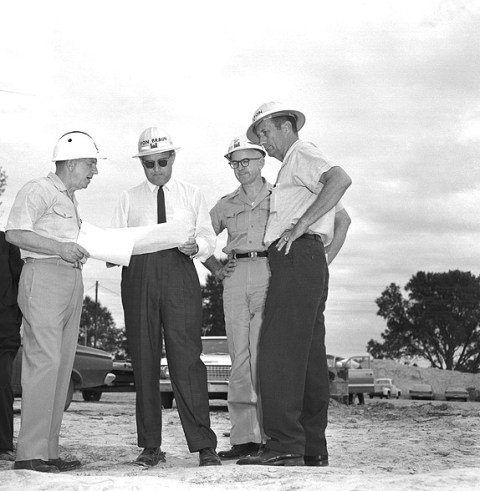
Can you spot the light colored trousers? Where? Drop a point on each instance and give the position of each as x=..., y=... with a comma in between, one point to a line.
x=244, y=296
x=50, y=297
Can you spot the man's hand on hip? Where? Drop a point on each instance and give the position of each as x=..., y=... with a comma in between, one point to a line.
x=290, y=236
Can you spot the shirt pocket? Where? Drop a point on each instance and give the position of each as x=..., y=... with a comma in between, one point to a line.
x=236, y=221
x=63, y=220
x=62, y=212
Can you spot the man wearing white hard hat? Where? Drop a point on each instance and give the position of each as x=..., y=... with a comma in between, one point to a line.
x=292, y=363
x=244, y=214
x=162, y=289
x=44, y=223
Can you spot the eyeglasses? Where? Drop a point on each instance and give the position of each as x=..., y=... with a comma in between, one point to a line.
x=150, y=164
x=244, y=162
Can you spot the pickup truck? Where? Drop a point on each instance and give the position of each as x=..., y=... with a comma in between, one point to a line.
x=384, y=387
x=357, y=371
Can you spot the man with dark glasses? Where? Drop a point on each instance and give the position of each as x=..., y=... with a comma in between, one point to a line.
x=162, y=289
x=244, y=213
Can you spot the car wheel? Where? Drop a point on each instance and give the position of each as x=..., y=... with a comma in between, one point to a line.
x=69, y=395
x=167, y=400
x=91, y=395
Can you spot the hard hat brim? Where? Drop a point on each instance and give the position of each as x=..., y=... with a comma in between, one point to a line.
x=154, y=151
x=228, y=155
x=299, y=116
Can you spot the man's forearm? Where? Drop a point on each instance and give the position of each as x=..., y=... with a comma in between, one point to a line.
x=213, y=265
x=342, y=223
x=31, y=241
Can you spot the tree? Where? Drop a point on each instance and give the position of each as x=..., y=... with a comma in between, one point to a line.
x=440, y=321
x=106, y=336
x=213, y=323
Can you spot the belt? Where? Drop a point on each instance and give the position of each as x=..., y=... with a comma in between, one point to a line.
x=55, y=260
x=311, y=237
x=252, y=254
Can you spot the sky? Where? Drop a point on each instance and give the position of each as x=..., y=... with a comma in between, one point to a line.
x=390, y=91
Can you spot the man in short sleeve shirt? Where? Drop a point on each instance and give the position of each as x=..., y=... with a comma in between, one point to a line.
x=244, y=214
x=44, y=224
x=292, y=364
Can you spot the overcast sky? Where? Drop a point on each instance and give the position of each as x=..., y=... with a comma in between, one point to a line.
x=390, y=91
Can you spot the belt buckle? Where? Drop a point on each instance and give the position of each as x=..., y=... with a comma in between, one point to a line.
x=253, y=255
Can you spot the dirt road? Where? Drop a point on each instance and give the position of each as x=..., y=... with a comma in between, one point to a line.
x=383, y=445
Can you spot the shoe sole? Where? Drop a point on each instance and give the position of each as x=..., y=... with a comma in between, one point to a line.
x=293, y=462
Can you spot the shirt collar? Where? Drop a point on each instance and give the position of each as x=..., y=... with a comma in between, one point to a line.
x=290, y=150
x=57, y=182
x=264, y=192
x=153, y=187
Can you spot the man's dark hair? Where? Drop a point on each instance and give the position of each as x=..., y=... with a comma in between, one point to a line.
x=279, y=120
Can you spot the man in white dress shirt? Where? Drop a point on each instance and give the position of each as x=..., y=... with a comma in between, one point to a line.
x=163, y=289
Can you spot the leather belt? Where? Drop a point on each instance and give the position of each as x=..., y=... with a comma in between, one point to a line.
x=311, y=237
x=251, y=254
x=55, y=260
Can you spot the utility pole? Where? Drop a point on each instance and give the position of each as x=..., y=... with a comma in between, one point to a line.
x=95, y=318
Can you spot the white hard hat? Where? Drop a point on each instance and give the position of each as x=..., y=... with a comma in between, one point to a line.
x=270, y=110
x=242, y=143
x=154, y=140
x=75, y=145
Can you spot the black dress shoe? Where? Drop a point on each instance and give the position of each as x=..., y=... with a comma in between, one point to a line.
x=240, y=450
x=271, y=457
x=150, y=457
x=35, y=465
x=316, y=460
x=7, y=455
x=65, y=465
x=208, y=456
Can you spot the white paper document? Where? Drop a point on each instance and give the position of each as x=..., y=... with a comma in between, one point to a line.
x=116, y=245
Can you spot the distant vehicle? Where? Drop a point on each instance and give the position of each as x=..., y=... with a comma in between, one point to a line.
x=456, y=394
x=216, y=358
x=92, y=368
x=356, y=370
x=124, y=382
x=384, y=387
x=421, y=391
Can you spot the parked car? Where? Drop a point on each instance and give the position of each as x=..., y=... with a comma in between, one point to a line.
x=357, y=371
x=456, y=393
x=123, y=371
x=384, y=387
x=421, y=391
x=217, y=360
x=92, y=367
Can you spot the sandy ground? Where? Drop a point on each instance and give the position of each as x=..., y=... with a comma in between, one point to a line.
x=383, y=445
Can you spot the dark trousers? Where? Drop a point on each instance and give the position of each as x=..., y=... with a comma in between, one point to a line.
x=10, y=321
x=294, y=382
x=163, y=288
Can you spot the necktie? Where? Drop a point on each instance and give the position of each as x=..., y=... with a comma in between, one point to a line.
x=162, y=218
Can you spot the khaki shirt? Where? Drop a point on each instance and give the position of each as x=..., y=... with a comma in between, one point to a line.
x=297, y=187
x=245, y=221
x=44, y=207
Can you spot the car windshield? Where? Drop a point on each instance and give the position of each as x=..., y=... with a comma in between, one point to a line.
x=215, y=347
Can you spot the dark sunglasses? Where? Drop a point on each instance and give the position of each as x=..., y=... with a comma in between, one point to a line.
x=150, y=164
